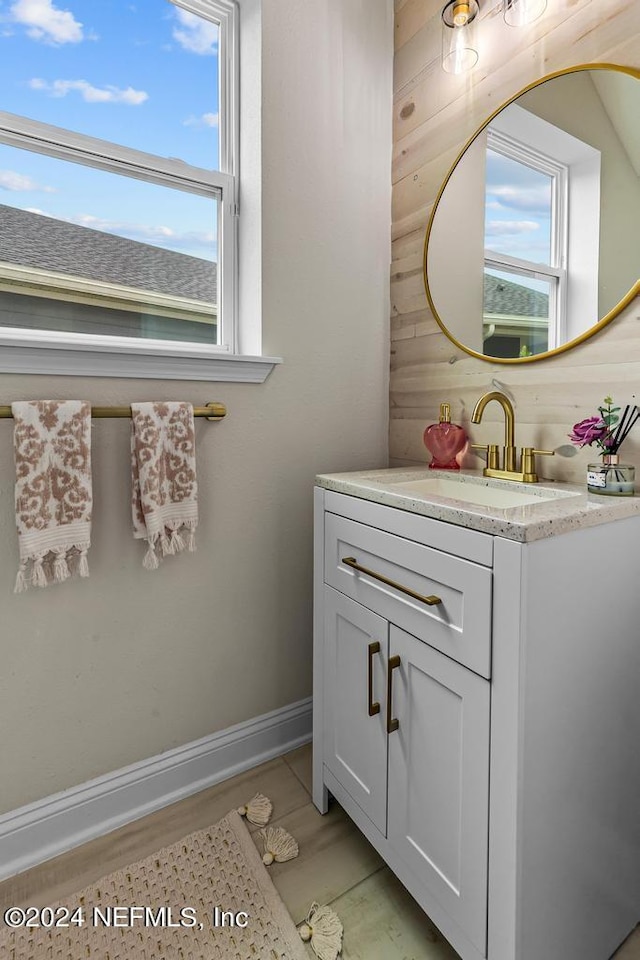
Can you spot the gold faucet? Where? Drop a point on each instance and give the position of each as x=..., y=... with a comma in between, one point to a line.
x=527, y=472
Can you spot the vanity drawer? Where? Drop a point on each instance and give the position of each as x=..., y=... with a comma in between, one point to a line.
x=459, y=624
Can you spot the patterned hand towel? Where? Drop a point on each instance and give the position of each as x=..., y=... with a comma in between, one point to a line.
x=52, y=448
x=163, y=478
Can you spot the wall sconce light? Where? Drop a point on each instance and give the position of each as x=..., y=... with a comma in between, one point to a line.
x=459, y=47
x=518, y=13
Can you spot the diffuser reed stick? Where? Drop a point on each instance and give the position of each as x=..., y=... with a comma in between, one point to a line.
x=628, y=420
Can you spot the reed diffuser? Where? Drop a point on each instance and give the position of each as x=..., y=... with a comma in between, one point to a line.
x=608, y=431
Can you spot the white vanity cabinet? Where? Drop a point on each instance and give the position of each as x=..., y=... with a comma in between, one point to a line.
x=446, y=713
x=422, y=780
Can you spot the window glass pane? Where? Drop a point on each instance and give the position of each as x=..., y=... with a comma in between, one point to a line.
x=143, y=73
x=517, y=209
x=91, y=237
x=516, y=314
x=47, y=313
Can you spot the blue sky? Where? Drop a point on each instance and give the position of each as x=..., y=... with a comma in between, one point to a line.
x=143, y=74
x=517, y=209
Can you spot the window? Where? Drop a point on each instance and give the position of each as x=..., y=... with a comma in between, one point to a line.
x=118, y=176
x=525, y=249
x=542, y=234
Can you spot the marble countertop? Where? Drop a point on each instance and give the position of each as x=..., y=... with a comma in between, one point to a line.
x=569, y=506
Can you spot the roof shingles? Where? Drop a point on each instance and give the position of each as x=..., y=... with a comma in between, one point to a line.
x=32, y=239
x=504, y=298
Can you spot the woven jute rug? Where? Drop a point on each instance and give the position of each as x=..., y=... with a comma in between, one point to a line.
x=207, y=897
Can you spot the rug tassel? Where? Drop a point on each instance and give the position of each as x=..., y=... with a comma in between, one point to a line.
x=323, y=929
x=278, y=845
x=258, y=810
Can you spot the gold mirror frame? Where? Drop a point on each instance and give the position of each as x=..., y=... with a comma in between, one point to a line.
x=611, y=315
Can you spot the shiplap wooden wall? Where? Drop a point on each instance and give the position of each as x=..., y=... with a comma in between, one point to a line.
x=434, y=115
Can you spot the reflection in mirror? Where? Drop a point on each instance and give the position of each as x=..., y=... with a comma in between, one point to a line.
x=532, y=240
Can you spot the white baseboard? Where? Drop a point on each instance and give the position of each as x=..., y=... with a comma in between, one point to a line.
x=48, y=827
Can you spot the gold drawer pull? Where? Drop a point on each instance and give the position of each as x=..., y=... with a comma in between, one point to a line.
x=392, y=723
x=374, y=706
x=431, y=601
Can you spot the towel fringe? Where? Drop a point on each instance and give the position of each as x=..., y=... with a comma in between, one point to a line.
x=151, y=561
x=52, y=566
x=38, y=575
x=165, y=544
x=60, y=566
x=83, y=566
x=21, y=585
x=176, y=541
x=190, y=530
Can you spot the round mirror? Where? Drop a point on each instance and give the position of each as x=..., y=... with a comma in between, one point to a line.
x=532, y=243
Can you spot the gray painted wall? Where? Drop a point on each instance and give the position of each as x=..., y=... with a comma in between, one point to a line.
x=101, y=673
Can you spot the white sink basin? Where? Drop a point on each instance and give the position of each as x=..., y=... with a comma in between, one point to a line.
x=485, y=492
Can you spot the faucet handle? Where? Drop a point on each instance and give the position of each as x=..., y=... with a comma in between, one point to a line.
x=528, y=463
x=493, y=454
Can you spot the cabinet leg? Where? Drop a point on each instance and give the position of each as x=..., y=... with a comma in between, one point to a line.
x=320, y=796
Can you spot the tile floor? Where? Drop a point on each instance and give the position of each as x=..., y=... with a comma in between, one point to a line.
x=336, y=865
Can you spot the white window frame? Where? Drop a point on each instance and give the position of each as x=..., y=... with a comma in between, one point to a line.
x=583, y=162
x=40, y=351
x=556, y=271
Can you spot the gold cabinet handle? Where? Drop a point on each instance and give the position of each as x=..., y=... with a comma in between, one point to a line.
x=392, y=723
x=352, y=562
x=374, y=706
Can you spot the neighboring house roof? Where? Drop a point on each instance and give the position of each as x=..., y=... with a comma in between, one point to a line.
x=32, y=239
x=505, y=298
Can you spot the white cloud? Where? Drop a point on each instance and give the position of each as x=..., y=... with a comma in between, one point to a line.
x=20, y=183
x=206, y=120
x=46, y=22
x=195, y=34
x=536, y=199
x=194, y=242
x=509, y=227
x=122, y=228
x=89, y=93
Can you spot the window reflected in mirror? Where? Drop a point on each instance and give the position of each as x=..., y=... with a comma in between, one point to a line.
x=531, y=244
x=522, y=299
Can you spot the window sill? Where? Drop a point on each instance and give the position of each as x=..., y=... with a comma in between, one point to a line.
x=23, y=351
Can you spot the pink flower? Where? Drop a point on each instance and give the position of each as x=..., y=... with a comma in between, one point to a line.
x=591, y=430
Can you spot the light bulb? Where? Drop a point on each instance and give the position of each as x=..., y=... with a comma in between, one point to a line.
x=461, y=14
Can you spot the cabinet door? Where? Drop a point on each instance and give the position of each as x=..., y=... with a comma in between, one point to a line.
x=355, y=740
x=439, y=779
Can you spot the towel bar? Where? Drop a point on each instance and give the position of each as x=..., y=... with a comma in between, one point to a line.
x=211, y=411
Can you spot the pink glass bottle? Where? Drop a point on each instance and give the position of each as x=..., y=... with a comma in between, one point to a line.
x=444, y=440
